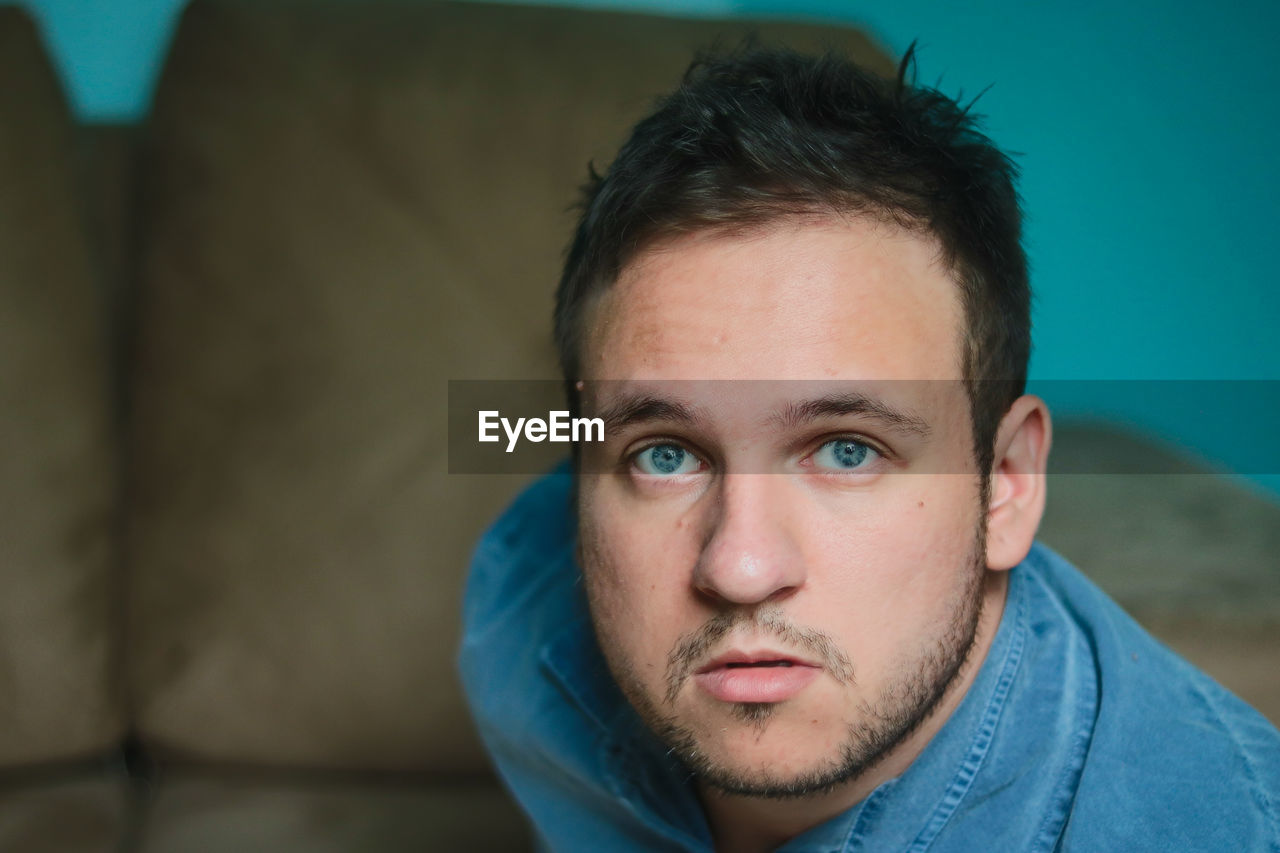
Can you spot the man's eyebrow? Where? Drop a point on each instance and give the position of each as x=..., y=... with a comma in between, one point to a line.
x=852, y=403
x=646, y=408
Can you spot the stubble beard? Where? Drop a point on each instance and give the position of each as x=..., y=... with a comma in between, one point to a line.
x=878, y=727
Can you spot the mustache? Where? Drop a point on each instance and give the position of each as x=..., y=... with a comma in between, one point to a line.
x=694, y=647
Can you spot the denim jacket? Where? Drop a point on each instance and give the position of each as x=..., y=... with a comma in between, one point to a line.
x=1081, y=732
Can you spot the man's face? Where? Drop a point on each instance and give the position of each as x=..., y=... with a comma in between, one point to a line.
x=784, y=575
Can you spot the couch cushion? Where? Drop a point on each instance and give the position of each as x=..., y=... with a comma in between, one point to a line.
x=59, y=627
x=80, y=811
x=1190, y=554
x=197, y=812
x=346, y=206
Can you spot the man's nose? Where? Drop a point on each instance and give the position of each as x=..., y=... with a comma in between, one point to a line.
x=752, y=555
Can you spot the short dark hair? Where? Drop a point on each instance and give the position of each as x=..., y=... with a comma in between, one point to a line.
x=761, y=134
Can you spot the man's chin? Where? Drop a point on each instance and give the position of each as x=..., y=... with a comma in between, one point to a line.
x=768, y=779
x=755, y=751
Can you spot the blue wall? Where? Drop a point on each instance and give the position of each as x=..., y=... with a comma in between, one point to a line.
x=109, y=52
x=1145, y=130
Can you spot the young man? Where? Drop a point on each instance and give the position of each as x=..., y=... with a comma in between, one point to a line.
x=792, y=600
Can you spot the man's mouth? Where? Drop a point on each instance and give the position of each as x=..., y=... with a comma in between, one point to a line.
x=759, y=663
x=736, y=659
x=755, y=677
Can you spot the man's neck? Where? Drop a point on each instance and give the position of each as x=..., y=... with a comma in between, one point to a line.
x=756, y=825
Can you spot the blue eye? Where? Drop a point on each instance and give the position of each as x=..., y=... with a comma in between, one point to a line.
x=843, y=454
x=664, y=460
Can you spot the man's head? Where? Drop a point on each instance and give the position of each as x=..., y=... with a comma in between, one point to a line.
x=761, y=136
x=796, y=269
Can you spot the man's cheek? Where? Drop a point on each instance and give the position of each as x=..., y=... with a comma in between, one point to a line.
x=600, y=571
x=614, y=569
x=633, y=570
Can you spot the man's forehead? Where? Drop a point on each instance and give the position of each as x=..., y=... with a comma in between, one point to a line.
x=771, y=404
x=848, y=298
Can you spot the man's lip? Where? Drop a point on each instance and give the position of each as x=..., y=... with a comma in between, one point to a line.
x=723, y=681
x=738, y=656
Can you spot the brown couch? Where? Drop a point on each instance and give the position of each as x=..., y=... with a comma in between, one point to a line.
x=231, y=555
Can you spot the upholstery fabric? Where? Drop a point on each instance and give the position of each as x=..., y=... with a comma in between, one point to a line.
x=345, y=206
x=59, y=635
x=1187, y=552
x=76, y=812
x=195, y=812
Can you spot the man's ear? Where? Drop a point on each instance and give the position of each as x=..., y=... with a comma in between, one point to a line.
x=1018, y=482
